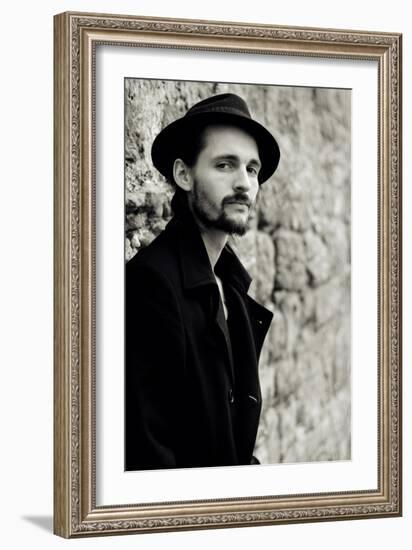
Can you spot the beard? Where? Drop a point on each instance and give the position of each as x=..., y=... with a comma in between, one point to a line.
x=215, y=216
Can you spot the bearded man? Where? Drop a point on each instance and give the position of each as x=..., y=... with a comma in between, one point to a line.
x=193, y=334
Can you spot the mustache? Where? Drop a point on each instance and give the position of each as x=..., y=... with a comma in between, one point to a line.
x=239, y=198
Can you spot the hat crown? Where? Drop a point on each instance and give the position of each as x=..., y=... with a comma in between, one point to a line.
x=223, y=103
x=228, y=109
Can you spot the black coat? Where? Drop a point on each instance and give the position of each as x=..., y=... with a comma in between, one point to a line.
x=192, y=398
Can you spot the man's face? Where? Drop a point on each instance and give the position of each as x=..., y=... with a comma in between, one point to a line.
x=225, y=179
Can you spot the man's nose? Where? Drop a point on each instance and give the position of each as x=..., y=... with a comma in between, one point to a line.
x=242, y=180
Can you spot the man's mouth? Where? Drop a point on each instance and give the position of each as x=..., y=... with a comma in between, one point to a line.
x=239, y=201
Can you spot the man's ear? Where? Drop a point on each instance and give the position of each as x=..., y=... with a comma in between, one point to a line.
x=182, y=175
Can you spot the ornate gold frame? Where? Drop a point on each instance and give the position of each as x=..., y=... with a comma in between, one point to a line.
x=75, y=510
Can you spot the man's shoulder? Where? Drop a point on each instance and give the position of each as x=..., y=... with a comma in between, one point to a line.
x=161, y=256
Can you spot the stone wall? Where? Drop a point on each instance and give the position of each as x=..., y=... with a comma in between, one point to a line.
x=297, y=251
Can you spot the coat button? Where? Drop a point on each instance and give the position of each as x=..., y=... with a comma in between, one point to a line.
x=231, y=396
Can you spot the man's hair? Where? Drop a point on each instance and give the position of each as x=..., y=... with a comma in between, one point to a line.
x=192, y=145
x=190, y=148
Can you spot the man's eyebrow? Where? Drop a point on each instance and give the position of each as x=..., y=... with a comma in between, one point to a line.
x=230, y=156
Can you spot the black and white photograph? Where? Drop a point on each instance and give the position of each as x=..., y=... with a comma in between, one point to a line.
x=237, y=275
x=205, y=288
x=227, y=260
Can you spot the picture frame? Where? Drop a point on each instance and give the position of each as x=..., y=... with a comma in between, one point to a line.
x=77, y=74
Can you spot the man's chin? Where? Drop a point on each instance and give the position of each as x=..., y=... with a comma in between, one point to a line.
x=234, y=225
x=231, y=223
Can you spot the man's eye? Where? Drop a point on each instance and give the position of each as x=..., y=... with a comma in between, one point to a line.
x=253, y=170
x=224, y=165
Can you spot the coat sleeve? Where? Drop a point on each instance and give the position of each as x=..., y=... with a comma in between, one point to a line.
x=154, y=369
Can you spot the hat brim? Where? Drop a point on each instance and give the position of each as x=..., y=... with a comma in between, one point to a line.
x=167, y=146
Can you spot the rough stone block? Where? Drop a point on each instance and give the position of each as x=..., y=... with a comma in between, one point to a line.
x=318, y=259
x=291, y=271
x=265, y=274
x=331, y=299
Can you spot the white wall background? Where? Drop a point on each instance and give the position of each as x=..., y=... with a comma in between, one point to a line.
x=26, y=273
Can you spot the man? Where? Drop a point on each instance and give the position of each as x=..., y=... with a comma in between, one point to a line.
x=193, y=335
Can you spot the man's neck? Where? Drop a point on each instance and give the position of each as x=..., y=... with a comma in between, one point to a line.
x=214, y=241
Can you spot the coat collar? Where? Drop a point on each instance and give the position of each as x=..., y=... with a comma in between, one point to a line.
x=194, y=260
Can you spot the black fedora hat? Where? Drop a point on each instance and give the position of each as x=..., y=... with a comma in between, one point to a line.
x=219, y=109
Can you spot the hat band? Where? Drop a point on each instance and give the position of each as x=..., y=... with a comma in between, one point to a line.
x=217, y=109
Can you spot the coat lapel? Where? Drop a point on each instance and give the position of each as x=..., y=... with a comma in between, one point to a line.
x=197, y=275
x=224, y=332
